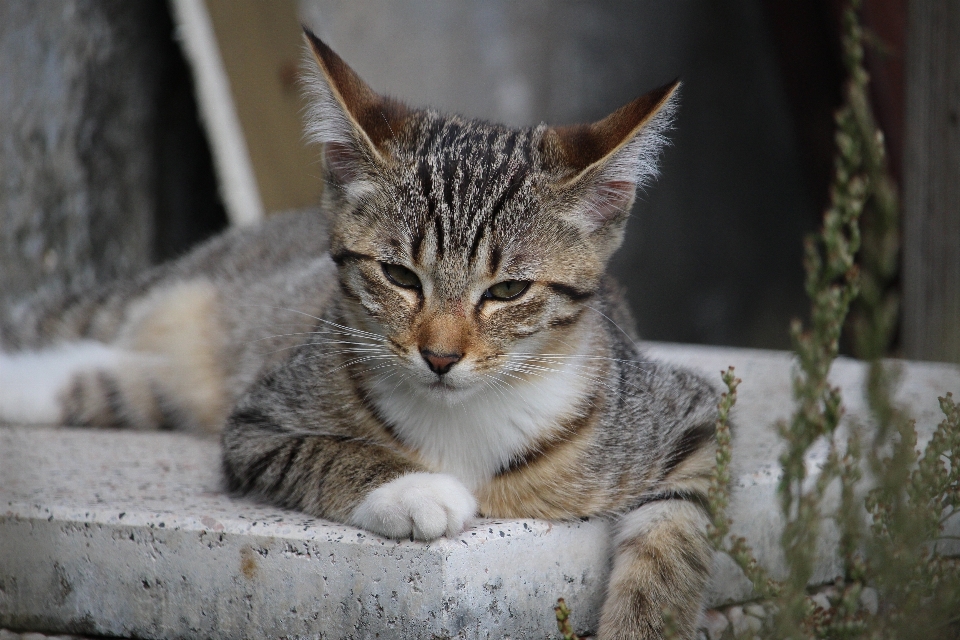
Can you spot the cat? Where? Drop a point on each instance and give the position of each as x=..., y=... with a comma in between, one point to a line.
x=441, y=342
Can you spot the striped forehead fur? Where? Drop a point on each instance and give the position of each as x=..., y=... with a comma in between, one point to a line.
x=468, y=171
x=468, y=179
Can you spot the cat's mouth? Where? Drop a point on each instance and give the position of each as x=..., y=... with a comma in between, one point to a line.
x=441, y=384
x=447, y=390
x=453, y=386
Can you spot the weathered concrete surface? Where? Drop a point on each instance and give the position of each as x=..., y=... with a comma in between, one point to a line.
x=129, y=534
x=5, y=634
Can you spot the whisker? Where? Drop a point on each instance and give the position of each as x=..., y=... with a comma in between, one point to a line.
x=352, y=330
x=317, y=341
x=358, y=361
x=587, y=367
x=323, y=320
x=559, y=356
x=380, y=366
x=502, y=372
x=498, y=384
x=538, y=371
x=324, y=343
x=608, y=319
x=637, y=365
x=387, y=375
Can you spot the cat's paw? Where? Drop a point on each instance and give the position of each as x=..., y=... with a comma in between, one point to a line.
x=422, y=505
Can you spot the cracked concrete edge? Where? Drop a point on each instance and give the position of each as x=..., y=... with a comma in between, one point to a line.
x=7, y=634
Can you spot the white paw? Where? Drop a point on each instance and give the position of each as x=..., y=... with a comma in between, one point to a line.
x=422, y=505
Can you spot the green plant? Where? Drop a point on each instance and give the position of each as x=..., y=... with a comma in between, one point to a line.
x=563, y=620
x=915, y=494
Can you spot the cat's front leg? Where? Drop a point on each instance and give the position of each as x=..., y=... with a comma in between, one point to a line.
x=344, y=479
x=661, y=564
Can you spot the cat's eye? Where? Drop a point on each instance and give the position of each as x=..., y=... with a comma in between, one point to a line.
x=401, y=276
x=507, y=290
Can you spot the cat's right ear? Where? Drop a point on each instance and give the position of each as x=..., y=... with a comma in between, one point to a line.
x=353, y=122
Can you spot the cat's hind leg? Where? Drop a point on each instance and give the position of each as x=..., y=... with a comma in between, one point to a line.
x=162, y=369
x=33, y=384
x=89, y=383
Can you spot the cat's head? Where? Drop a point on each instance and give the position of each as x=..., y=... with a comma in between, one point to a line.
x=462, y=242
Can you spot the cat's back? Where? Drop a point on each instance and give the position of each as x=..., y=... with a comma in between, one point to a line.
x=240, y=264
x=247, y=254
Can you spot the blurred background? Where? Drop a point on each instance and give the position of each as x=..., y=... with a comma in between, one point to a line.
x=129, y=131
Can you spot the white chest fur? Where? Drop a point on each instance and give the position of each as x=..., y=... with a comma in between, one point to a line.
x=475, y=437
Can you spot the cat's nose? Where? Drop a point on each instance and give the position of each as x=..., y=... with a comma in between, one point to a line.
x=440, y=363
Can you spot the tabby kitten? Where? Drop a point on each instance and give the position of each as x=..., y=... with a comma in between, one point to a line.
x=455, y=348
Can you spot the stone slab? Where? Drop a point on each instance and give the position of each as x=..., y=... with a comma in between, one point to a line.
x=130, y=534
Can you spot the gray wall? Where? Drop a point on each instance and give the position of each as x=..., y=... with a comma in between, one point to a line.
x=103, y=165
x=931, y=221
x=713, y=252
x=74, y=105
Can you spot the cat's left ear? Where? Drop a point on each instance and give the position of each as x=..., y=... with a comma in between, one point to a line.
x=353, y=122
x=603, y=164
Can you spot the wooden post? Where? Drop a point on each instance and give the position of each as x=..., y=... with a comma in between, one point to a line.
x=931, y=225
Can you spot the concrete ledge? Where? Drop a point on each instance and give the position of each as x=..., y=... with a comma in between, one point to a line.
x=129, y=534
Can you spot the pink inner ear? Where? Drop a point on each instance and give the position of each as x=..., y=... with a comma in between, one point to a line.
x=342, y=161
x=608, y=201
